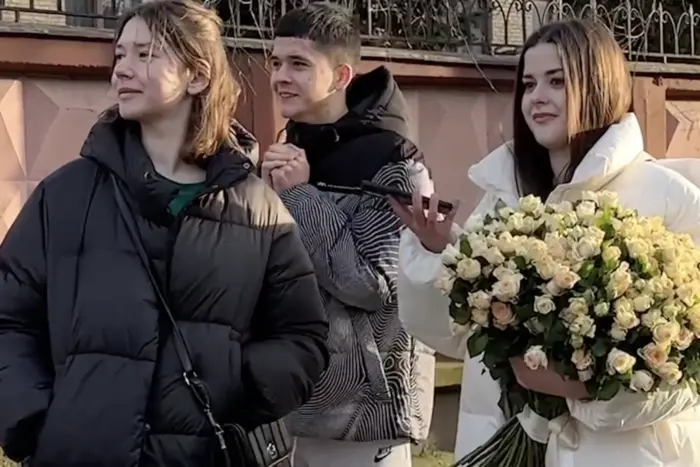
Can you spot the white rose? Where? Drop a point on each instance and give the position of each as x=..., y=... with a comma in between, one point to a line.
x=555, y=245
x=620, y=362
x=611, y=254
x=620, y=281
x=617, y=333
x=552, y=289
x=468, y=269
x=666, y=332
x=563, y=207
x=569, y=219
x=529, y=225
x=564, y=277
x=642, y=303
x=478, y=244
x=581, y=359
x=625, y=317
x=583, y=325
x=585, y=210
x=670, y=373
x=585, y=375
x=545, y=268
x=576, y=341
x=505, y=212
x=686, y=292
x=553, y=221
x=608, y=199
x=578, y=305
x=507, y=288
x=503, y=315
x=671, y=310
x=654, y=355
x=451, y=255
x=516, y=222
x=544, y=304
x=506, y=243
x=445, y=282
x=535, y=358
x=480, y=316
x=494, y=256
x=536, y=250
x=637, y=247
x=576, y=232
x=601, y=309
x=501, y=272
x=495, y=227
x=588, y=195
x=684, y=339
x=641, y=381
x=587, y=247
x=531, y=204
x=651, y=318
x=479, y=299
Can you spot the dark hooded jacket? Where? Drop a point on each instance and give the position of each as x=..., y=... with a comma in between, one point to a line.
x=379, y=382
x=88, y=372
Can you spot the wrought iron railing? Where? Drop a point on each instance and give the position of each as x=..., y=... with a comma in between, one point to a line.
x=649, y=30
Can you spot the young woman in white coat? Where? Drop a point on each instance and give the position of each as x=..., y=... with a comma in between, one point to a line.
x=572, y=132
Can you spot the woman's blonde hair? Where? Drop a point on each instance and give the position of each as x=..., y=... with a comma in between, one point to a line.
x=193, y=33
x=598, y=95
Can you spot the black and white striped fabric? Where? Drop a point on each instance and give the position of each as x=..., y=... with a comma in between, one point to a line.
x=379, y=384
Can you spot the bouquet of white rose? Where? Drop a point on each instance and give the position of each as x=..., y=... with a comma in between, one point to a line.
x=604, y=296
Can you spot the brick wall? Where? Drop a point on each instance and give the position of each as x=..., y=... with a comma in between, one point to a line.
x=34, y=17
x=83, y=6
x=510, y=26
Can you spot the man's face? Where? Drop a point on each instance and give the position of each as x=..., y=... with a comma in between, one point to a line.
x=303, y=79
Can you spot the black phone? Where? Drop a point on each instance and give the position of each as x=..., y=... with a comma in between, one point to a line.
x=403, y=197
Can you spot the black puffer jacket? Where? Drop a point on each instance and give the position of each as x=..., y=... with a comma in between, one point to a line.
x=88, y=371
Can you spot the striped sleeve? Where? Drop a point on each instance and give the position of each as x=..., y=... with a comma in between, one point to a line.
x=355, y=255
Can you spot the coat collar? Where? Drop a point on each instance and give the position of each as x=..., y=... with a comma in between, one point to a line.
x=620, y=146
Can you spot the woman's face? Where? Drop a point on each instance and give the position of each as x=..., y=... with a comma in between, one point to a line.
x=149, y=82
x=544, y=97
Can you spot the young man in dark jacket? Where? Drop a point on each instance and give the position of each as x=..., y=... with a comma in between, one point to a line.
x=376, y=395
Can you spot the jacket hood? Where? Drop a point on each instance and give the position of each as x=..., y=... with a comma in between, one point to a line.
x=375, y=101
x=621, y=145
x=116, y=145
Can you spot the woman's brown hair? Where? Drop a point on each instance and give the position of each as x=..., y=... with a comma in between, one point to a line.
x=193, y=33
x=598, y=95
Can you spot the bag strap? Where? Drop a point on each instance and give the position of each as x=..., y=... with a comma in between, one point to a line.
x=192, y=379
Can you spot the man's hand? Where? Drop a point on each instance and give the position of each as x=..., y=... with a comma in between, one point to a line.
x=285, y=166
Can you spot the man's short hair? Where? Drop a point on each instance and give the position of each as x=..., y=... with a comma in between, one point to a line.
x=329, y=25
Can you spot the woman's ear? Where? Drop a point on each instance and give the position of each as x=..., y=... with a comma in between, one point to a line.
x=197, y=84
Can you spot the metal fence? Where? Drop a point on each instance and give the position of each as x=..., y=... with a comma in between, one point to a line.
x=649, y=30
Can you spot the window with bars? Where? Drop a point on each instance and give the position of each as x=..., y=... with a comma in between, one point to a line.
x=95, y=13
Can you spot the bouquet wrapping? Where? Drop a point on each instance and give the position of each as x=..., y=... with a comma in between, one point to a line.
x=590, y=289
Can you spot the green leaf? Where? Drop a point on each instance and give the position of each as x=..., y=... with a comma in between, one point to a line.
x=476, y=344
x=460, y=314
x=464, y=246
x=600, y=348
x=520, y=262
x=609, y=389
x=587, y=269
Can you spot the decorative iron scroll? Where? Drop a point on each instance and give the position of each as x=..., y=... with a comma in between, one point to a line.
x=655, y=30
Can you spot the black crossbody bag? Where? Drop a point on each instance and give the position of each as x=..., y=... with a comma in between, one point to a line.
x=268, y=445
